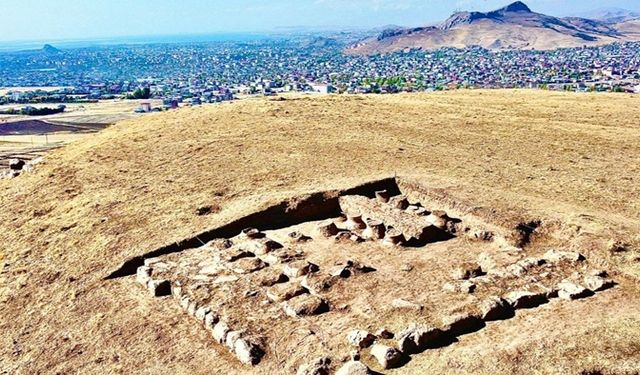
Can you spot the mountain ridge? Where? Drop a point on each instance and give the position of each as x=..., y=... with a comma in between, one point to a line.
x=514, y=26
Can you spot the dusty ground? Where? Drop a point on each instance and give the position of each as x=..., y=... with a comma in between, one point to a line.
x=565, y=158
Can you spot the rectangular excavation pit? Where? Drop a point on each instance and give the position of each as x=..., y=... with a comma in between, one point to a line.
x=362, y=259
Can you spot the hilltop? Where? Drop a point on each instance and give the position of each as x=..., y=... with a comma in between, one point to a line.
x=514, y=26
x=562, y=165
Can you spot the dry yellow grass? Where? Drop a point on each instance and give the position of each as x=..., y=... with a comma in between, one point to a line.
x=136, y=186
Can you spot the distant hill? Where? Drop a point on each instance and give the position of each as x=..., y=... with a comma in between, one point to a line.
x=48, y=48
x=610, y=15
x=515, y=26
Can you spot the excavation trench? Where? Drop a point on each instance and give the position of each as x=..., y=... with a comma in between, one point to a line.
x=293, y=211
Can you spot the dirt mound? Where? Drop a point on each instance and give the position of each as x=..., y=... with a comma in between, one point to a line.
x=496, y=160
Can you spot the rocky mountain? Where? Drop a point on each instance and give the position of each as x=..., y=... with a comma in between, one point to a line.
x=515, y=26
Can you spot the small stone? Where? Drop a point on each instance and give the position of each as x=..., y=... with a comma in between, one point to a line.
x=299, y=268
x=247, y=352
x=235, y=254
x=387, y=356
x=400, y=202
x=272, y=277
x=232, y=337
x=570, y=291
x=465, y=286
x=383, y=196
x=298, y=237
x=495, y=308
x=220, y=331
x=555, y=256
x=617, y=246
x=285, y=292
x=598, y=283
x=317, y=283
x=416, y=339
x=210, y=321
x=16, y=164
x=143, y=275
x=264, y=246
x=384, y=334
x=394, y=238
x=326, y=229
x=251, y=233
x=361, y=339
x=466, y=271
x=354, y=368
x=462, y=323
x=248, y=265
x=201, y=313
x=159, y=288
x=354, y=222
x=404, y=304
x=305, y=305
x=525, y=299
x=319, y=366
x=192, y=308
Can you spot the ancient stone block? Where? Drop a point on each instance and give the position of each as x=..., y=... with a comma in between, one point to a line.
x=525, y=299
x=375, y=230
x=361, y=339
x=394, y=237
x=235, y=254
x=263, y=246
x=247, y=352
x=319, y=366
x=220, y=331
x=210, y=321
x=461, y=323
x=16, y=164
x=248, y=265
x=251, y=233
x=418, y=338
x=305, y=305
x=466, y=271
x=201, y=313
x=317, y=283
x=464, y=286
x=383, y=196
x=299, y=268
x=354, y=368
x=399, y=202
x=598, y=283
x=569, y=290
x=354, y=221
x=232, y=337
x=554, y=256
x=271, y=277
x=387, y=356
x=159, y=288
x=285, y=292
x=495, y=308
x=384, y=333
x=326, y=229
x=143, y=275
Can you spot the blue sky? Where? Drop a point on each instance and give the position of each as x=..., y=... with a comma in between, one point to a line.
x=49, y=20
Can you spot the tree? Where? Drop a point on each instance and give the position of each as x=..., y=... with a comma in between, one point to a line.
x=144, y=93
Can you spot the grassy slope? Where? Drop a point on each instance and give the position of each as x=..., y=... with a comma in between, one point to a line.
x=137, y=185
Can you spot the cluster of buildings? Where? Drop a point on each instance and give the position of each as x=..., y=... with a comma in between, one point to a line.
x=219, y=71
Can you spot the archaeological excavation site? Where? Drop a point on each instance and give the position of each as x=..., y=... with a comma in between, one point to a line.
x=361, y=280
